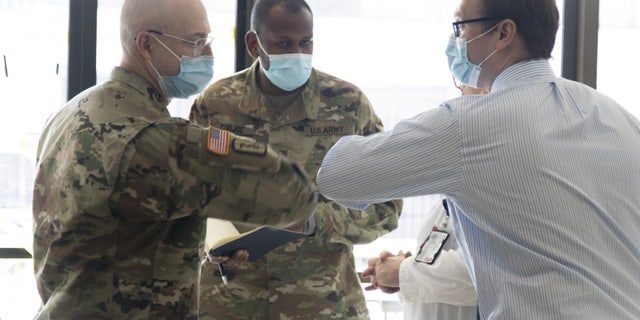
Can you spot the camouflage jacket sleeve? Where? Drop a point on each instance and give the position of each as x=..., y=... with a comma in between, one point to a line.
x=169, y=171
x=352, y=226
x=348, y=226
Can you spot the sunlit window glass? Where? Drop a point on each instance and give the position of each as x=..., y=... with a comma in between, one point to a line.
x=618, y=49
x=33, y=68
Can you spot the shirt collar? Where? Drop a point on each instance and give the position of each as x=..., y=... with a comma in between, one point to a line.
x=530, y=71
x=253, y=101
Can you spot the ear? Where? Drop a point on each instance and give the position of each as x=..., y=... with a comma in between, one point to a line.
x=508, y=31
x=143, y=44
x=251, y=41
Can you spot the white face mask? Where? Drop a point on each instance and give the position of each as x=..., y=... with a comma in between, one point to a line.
x=287, y=71
x=462, y=69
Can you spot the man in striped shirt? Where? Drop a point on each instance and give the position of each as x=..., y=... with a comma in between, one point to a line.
x=542, y=173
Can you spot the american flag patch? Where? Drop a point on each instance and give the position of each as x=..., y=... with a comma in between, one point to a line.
x=218, y=142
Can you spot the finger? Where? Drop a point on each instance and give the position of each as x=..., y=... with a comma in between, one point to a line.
x=389, y=290
x=242, y=255
x=239, y=254
x=374, y=281
x=368, y=272
x=384, y=255
x=217, y=259
x=370, y=288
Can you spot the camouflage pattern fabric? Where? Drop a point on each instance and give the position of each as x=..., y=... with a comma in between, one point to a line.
x=121, y=198
x=314, y=277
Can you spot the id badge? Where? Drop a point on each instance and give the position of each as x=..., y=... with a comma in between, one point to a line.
x=431, y=247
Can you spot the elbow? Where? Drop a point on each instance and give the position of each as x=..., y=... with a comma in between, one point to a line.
x=321, y=182
x=327, y=189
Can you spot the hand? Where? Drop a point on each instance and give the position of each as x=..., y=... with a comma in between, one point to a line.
x=370, y=272
x=383, y=262
x=387, y=270
x=297, y=228
x=238, y=259
x=389, y=290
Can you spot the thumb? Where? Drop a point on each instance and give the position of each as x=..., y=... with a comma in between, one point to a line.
x=368, y=272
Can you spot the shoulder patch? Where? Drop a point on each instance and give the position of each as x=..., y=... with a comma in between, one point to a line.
x=249, y=147
x=218, y=141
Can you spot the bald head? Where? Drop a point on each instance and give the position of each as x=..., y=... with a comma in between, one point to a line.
x=178, y=17
x=151, y=54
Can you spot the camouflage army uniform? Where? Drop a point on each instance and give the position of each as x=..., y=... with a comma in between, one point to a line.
x=122, y=194
x=315, y=277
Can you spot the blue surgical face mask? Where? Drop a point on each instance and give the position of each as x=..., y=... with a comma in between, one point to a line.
x=462, y=69
x=195, y=73
x=287, y=71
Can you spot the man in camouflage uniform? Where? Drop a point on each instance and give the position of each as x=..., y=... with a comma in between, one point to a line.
x=314, y=277
x=123, y=190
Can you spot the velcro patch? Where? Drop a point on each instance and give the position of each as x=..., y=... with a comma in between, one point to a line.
x=329, y=128
x=218, y=141
x=249, y=147
x=243, y=130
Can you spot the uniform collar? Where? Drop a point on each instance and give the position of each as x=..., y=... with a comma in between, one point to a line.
x=255, y=104
x=135, y=81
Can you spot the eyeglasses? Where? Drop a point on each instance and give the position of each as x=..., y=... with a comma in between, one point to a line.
x=198, y=45
x=456, y=25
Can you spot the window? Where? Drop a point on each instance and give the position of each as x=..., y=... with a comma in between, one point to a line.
x=33, y=64
x=618, y=48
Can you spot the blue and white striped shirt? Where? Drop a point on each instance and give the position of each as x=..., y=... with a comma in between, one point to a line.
x=544, y=176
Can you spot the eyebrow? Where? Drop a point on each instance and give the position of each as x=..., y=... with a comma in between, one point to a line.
x=288, y=37
x=200, y=34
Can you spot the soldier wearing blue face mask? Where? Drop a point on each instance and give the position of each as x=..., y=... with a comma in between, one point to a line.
x=302, y=112
x=123, y=190
x=195, y=71
x=287, y=71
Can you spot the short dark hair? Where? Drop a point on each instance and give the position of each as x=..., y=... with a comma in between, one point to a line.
x=537, y=22
x=261, y=9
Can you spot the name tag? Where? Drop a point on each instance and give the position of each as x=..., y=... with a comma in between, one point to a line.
x=431, y=247
x=329, y=129
x=243, y=130
x=249, y=147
